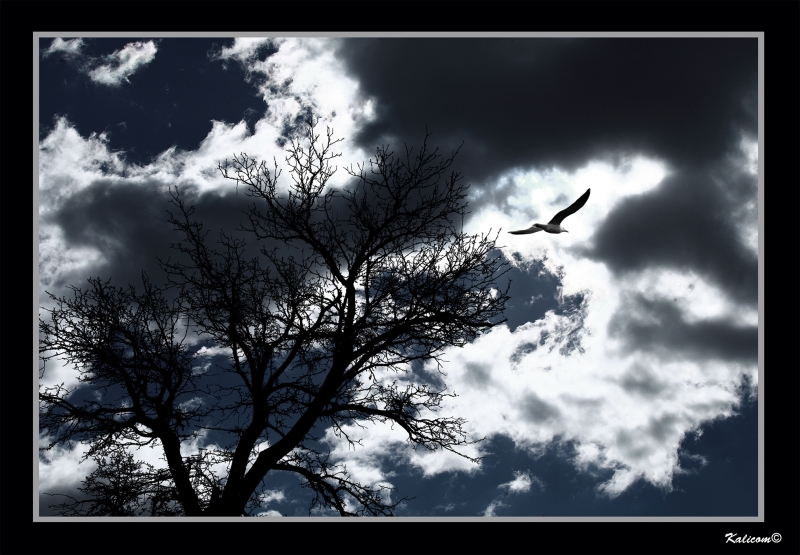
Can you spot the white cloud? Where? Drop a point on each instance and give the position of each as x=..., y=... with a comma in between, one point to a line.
x=364, y=464
x=120, y=65
x=205, y=351
x=191, y=404
x=492, y=507
x=697, y=299
x=522, y=483
x=69, y=47
x=385, y=441
x=67, y=164
x=267, y=497
x=750, y=152
x=244, y=49
x=305, y=73
x=60, y=468
x=271, y=495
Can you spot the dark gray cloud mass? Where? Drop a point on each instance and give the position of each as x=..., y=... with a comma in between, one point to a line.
x=544, y=103
x=687, y=223
x=659, y=326
x=559, y=102
x=128, y=224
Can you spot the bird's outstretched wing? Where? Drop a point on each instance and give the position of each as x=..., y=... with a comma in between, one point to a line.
x=571, y=209
x=532, y=229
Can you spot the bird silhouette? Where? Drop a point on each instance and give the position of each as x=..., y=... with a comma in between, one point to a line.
x=554, y=225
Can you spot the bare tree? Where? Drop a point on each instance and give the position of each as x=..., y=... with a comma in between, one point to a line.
x=122, y=486
x=352, y=284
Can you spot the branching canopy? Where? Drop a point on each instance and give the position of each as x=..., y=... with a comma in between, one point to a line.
x=352, y=284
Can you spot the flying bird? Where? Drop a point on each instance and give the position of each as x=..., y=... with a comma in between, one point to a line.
x=554, y=225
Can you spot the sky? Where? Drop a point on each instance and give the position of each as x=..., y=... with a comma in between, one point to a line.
x=625, y=379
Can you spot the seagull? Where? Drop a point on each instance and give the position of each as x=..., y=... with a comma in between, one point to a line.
x=554, y=226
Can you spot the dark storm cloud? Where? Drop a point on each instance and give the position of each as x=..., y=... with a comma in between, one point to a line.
x=659, y=326
x=128, y=224
x=687, y=223
x=542, y=103
x=527, y=102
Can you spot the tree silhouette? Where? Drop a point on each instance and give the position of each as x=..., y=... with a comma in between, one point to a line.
x=122, y=486
x=354, y=287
